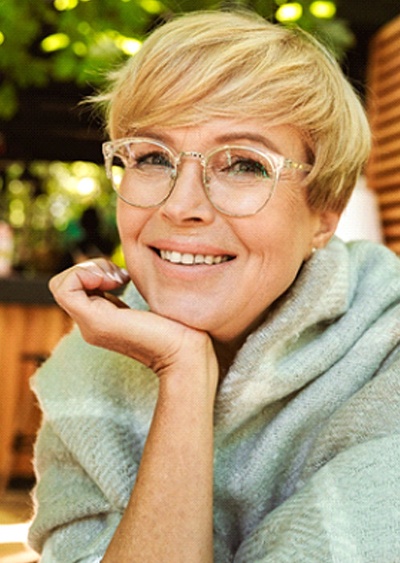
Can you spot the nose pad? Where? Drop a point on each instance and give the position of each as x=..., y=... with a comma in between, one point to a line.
x=188, y=200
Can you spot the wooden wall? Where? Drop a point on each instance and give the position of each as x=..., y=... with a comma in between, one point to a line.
x=383, y=103
x=28, y=334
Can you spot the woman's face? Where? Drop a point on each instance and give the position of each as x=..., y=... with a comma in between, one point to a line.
x=228, y=298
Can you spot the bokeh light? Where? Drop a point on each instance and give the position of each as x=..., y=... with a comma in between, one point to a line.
x=323, y=9
x=55, y=42
x=289, y=12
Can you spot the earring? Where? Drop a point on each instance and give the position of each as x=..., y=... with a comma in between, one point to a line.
x=313, y=251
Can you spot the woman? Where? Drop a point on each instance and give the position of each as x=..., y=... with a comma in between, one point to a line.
x=245, y=406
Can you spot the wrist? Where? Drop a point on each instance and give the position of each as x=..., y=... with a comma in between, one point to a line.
x=191, y=379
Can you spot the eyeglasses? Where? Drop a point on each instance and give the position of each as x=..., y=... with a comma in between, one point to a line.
x=238, y=180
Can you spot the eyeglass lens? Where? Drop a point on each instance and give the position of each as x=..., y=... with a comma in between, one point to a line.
x=238, y=180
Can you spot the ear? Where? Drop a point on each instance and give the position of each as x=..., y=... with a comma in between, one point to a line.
x=326, y=223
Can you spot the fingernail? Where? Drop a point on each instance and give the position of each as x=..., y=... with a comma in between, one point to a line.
x=87, y=266
x=115, y=276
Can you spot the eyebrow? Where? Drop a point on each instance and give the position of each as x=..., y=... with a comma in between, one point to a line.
x=250, y=136
x=225, y=138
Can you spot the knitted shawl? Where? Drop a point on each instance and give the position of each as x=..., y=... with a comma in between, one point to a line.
x=307, y=423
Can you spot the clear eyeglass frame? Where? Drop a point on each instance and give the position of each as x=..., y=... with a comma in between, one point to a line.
x=276, y=162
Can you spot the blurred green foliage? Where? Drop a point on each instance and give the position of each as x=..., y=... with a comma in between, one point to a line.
x=43, y=202
x=77, y=41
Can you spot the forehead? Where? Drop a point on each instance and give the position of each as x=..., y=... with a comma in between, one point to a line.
x=282, y=139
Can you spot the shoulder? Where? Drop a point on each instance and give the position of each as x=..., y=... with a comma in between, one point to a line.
x=367, y=258
x=367, y=272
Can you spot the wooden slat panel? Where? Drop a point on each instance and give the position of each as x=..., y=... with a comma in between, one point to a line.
x=12, y=324
x=388, y=167
x=395, y=246
x=388, y=83
x=390, y=214
x=387, y=116
x=388, y=65
x=383, y=104
x=384, y=101
x=387, y=58
x=388, y=32
x=391, y=146
x=379, y=181
x=389, y=198
x=393, y=230
x=29, y=331
x=384, y=135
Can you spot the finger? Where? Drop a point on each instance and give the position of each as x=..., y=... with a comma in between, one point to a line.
x=71, y=287
x=109, y=297
x=98, y=274
x=104, y=273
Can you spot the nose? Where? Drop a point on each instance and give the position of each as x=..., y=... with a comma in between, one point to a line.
x=188, y=202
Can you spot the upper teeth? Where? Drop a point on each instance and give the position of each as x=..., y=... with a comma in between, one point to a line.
x=188, y=258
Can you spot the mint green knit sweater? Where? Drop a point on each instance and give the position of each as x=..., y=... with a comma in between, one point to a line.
x=307, y=424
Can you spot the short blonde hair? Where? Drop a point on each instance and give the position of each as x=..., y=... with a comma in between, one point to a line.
x=218, y=64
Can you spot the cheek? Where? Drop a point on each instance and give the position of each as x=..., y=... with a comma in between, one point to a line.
x=121, y=219
x=130, y=223
x=280, y=238
x=270, y=232
x=294, y=220
x=123, y=222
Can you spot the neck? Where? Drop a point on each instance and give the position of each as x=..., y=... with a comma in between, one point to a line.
x=226, y=352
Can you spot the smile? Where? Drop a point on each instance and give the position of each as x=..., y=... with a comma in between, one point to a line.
x=189, y=259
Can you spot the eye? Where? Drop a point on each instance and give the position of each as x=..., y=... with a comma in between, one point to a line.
x=153, y=159
x=240, y=166
x=248, y=167
x=144, y=157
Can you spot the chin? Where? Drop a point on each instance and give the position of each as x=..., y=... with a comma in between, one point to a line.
x=186, y=315
x=188, y=319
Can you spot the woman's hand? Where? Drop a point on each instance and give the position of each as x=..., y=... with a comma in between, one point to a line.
x=175, y=478
x=105, y=321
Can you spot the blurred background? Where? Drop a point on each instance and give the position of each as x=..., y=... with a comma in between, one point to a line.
x=57, y=207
